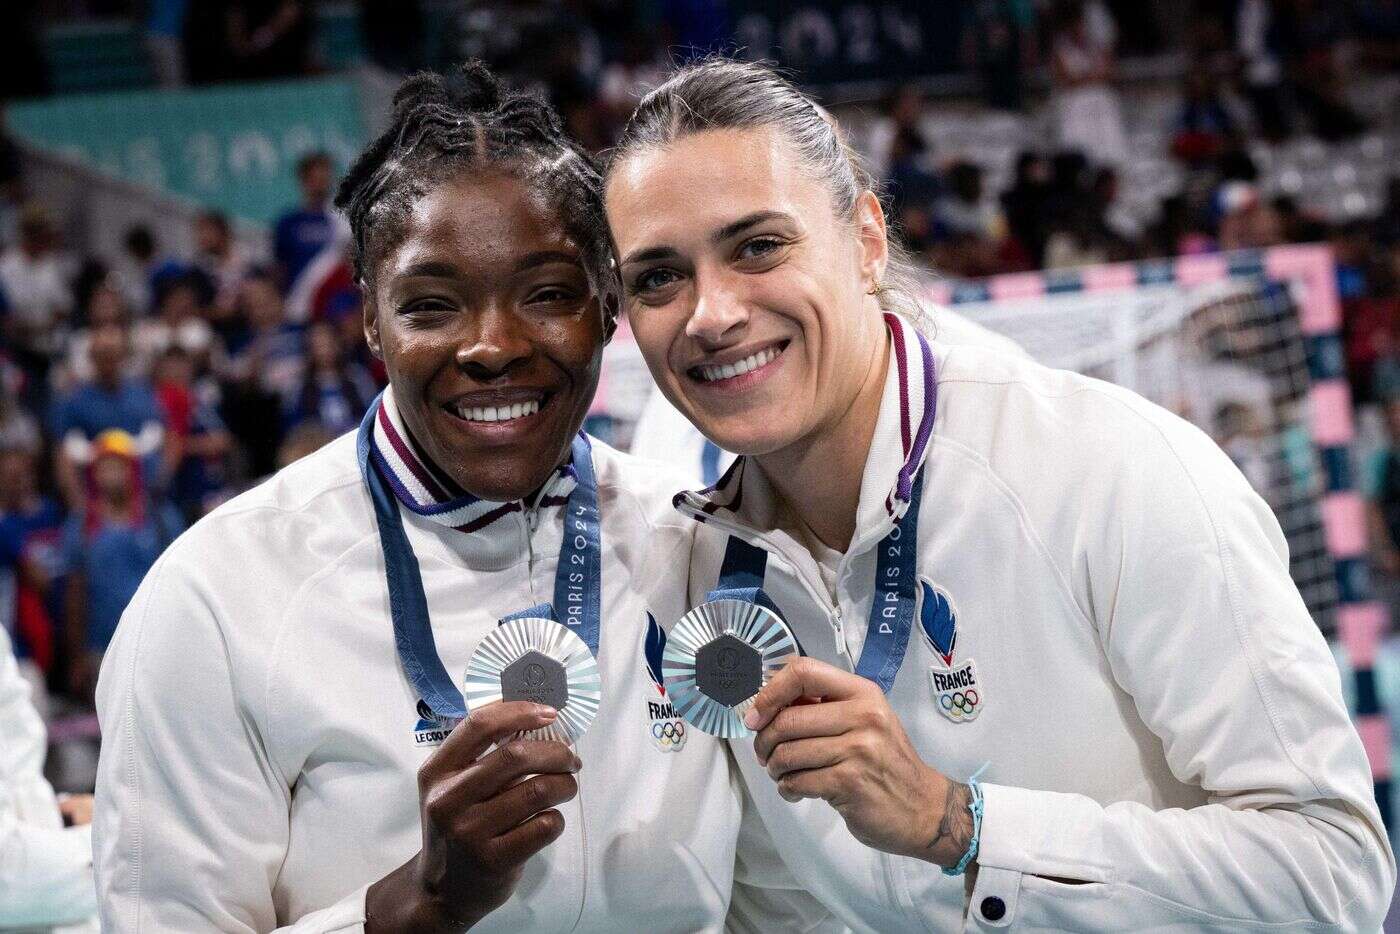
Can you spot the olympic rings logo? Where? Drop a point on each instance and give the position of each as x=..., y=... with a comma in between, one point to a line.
x=959, y=704
x=668, y=733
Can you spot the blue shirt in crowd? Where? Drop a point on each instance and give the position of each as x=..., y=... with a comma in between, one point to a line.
x=93, y=408
x=114, y=558
x=299, y=236
x=30, y=534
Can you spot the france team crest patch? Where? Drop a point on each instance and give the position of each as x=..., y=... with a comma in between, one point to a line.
x=957, y=693
x=666, y=728
x=939, y=621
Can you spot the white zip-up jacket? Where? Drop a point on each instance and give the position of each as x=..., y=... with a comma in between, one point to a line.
x=45, y=868
x=1160, y=716
x=261, y=740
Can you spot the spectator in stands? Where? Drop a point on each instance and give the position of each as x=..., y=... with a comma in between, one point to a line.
x=1247, y=221
x=965, y=208
x=29, y=523
x=178, y=322
x=18, y=429
x=1204, y=126
x=1087, y=111
x=266, y=349
x=896, y=143
x=45, y=867
x=40, y=302
x=346, y=312
x=309, y=228
x=1115, y=228
x=147, y=271
x=1082, y=228
x=113, y=398
x=105, y=306
x=335, y=390
x=219, y=259
x=325, y=280
x=1024, y=204
x=198, y=444
x=109, y=543
x=264, y=368
x=1370, y=317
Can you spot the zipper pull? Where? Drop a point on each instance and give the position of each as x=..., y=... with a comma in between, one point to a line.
x=839, y=630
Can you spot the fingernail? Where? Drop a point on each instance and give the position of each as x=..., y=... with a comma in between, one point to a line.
x=751, y=718
x=546, y=711
x=578, y=763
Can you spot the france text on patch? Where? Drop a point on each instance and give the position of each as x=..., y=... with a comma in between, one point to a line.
x=957, y=692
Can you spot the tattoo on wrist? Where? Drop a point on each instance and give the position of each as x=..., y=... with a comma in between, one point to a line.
x=954, y=832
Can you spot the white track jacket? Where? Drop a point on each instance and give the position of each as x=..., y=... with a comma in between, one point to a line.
x=45, y=868
x=1161, y=717
x=261, y=740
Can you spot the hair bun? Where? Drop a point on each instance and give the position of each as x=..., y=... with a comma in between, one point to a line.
x=473, y=87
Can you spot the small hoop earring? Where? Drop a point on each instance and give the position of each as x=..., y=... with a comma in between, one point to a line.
x=875, y=289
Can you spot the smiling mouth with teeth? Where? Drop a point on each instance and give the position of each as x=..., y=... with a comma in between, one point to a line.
x=710, y=373
x=496, y=413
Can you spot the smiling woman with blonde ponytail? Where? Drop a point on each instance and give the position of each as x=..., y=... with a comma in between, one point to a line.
x=1066, y=681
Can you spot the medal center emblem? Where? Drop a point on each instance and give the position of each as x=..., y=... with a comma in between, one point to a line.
x=537, y=678
x=728, y=670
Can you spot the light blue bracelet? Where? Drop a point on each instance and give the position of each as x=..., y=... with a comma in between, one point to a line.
x=975, y=806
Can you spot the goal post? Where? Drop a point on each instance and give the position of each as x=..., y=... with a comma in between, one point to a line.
x=1247, y=346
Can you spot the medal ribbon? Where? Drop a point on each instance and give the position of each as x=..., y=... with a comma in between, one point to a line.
x=891, y=611
x=577, y=581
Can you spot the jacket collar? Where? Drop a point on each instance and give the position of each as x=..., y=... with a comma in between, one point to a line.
x=427, y=492
x=742, y=501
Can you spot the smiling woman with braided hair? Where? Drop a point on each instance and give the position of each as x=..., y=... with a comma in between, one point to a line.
x=283, y=742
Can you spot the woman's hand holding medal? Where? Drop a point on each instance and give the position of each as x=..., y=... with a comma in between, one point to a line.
x=851, y=751
x=484, y=813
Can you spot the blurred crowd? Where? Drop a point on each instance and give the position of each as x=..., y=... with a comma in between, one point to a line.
x=140, y=390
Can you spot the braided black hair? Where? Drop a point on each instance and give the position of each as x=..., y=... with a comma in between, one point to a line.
x=444, y=124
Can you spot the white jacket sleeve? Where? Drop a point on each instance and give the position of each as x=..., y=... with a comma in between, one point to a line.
x=191, y=818
x=1183, y=571
x=45, y=874
x=45, y=868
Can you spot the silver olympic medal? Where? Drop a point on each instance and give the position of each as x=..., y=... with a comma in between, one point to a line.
x=717, y=657
x=540, y=661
